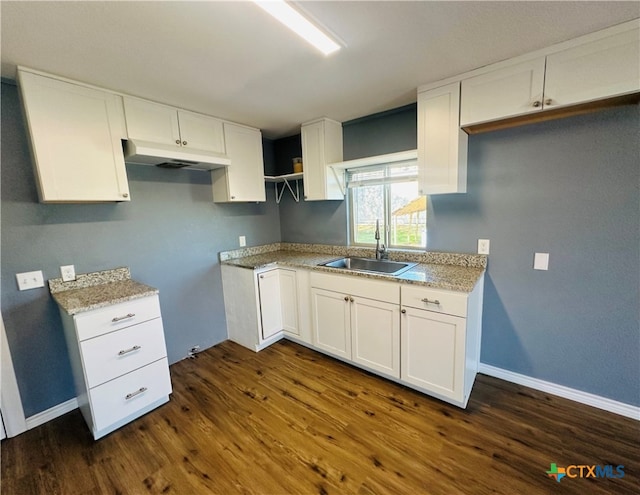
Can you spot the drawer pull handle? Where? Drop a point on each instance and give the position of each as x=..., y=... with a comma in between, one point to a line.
x=429, y=301
x=120, y=318
x=141, y=390
x=127, y=351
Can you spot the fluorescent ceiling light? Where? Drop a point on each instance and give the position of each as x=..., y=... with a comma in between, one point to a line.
x=295, y=21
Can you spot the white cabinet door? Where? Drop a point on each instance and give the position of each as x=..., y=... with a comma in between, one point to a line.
x=75, y=135
x=507, y=92
x=375, y=335
x=270, y=303
x=289, y=301
x=433, y=352
x=163, y=124
x=331, y=322
x=201, y=132
x=126, y=395
x=442, y=145
x=153, y=122
x=243, y=180
x=321, y=145
x=600, y=69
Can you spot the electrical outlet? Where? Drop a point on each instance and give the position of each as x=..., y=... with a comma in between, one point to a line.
x=68, y=273
x=483, y=246
x=243, y=241
x=30, y=280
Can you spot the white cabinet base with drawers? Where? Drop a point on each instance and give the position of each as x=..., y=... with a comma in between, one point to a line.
x=119, y=362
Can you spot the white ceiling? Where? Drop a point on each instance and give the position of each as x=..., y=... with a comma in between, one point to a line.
x=231, y=60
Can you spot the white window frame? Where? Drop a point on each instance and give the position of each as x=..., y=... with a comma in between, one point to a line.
x=371, y=163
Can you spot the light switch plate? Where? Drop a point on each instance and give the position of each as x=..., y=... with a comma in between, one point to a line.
x=68, y=273
x=30, y=280
x=541, y=261
x=483, y=246
x=243, y=241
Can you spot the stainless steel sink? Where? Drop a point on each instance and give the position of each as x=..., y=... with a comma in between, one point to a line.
x=385, y=267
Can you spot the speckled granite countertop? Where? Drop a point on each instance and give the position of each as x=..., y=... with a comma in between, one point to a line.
x=451, y=271
x=97, y=290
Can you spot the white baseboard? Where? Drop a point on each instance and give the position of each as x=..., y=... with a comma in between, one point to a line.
x=593, y=400
x=51, y=413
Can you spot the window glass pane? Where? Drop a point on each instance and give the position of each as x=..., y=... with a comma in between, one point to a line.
x=367, y=206
x=408, y=222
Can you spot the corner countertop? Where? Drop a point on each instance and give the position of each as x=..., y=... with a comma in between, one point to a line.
x=97, y=290
x=450, y=271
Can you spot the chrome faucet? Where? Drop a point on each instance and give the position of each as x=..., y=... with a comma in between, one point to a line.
x=381, y=253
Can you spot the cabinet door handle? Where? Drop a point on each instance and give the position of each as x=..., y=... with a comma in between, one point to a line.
x=125, y=195
x=536, y=103
x=184, y=143
x=346, y=298
x=131, y=349
x=141, y=390
x=261, y=276
x=351, y=299
x=120, y=318
x=403, y=311
x=429, y=301
x=178, y=142
x=548, y=101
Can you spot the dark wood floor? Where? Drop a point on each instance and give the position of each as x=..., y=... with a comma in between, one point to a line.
x=291, y=421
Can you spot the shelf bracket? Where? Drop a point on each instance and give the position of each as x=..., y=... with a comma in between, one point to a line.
x=339, y=180
x=286, y=184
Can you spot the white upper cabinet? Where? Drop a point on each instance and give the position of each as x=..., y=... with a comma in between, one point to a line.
x=595, y=67
x=75, y=134
x=507, y=92
x=243, y=180
x=157, y=123
x=442, y=145
x=591, y=71
x=321, y=145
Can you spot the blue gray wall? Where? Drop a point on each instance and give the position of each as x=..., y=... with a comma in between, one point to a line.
x=568, y=187
x=169, y=235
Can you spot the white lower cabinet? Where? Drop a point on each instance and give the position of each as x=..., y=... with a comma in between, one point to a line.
x=262, y=306
x=375, y=335
x=331, y=322
x=427, y=339
x=440, y=343
x=358, y=320
x=270, y=303
x=433, y=350
x=119, y=362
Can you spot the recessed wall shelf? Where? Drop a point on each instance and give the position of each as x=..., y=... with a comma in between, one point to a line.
x=286, y=179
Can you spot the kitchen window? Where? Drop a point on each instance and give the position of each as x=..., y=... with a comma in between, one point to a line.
x=388, y=193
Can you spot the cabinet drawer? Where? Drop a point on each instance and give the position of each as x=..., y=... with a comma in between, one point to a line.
x=100, y=321
x=441, y=301
x=116, y=353
x=119, y=398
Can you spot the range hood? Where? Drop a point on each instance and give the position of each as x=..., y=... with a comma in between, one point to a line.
x=167, y=156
